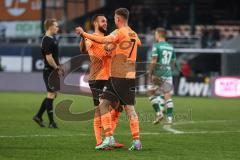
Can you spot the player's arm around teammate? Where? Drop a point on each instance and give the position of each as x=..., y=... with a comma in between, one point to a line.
x=122, y=73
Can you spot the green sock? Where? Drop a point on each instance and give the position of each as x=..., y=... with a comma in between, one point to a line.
x=169, y=105
x=156, y=107
x=169, y=112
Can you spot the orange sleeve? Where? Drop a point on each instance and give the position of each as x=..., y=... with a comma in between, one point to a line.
x=84, y=45
x=88, y=44
x=139, y=43
x=106, y=39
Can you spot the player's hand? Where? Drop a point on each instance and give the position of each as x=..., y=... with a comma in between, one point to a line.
x=157, y=80
x=109, y=47
x=60, y=70
x=79, y=30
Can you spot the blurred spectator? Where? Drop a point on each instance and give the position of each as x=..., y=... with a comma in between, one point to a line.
x=87, y=25
x=185, y=68
x=210, y=37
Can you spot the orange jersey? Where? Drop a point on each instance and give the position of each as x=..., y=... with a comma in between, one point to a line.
x=99, y=61
x=126, y=42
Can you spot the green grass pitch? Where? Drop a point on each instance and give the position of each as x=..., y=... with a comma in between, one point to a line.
x=204, y=129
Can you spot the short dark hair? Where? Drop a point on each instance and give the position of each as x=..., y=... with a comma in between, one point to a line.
x=94, y=18
x=49, y=22
x=123, y=12
x=161, y=31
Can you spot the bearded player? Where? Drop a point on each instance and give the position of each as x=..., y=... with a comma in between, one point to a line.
x=100, y=62
x=121, y=83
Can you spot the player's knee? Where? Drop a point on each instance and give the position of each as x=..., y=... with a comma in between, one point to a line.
x=155, y=99
x=104, y=106
x=104, y=103
x=131, y=113
x=51, y=95
x=167, y=96
x=150, y=92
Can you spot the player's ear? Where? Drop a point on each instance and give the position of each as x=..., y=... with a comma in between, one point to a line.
x=95, y=23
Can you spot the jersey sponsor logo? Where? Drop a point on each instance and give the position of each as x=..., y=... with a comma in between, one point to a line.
x=131, y=34
x=166, y=47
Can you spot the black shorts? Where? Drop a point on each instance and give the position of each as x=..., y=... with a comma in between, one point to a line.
x=51, y=80
x=120, y=89
x=96, y=87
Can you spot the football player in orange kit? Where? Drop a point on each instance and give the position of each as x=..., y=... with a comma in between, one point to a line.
x=100, y=63
x=122, y=76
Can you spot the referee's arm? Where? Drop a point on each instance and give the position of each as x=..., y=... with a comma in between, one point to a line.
x=51, y=61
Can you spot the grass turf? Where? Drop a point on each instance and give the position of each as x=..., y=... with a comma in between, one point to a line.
x=210, y=130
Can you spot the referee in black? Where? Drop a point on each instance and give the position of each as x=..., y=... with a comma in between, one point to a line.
x=49, y=49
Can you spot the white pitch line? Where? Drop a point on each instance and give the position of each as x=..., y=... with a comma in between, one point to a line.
x=165, y=127
x=45, y=135
x=170, y=129
x=209, y=121
x=211, y=132
x=143, y=133
x=191, y=132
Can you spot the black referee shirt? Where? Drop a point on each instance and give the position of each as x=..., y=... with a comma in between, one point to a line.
x=49, y=46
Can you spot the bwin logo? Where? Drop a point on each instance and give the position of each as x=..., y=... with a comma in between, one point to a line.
x=193, y=88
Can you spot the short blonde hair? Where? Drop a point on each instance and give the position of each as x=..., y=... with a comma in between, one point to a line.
x=49, y=22
x=161, y=32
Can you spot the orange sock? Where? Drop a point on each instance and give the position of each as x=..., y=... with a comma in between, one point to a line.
x=134, y=126
x=115, y=115
x=97, y=129
x=106, y=123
